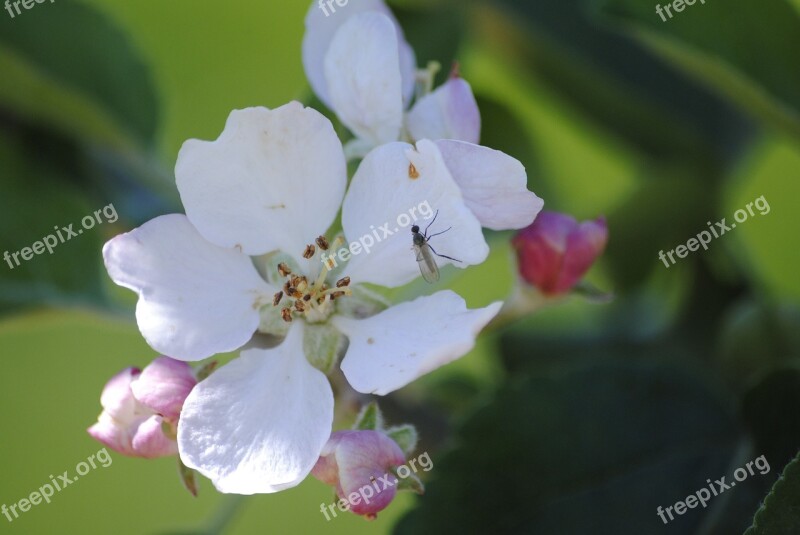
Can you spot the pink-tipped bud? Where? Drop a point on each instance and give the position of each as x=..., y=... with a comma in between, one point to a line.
x=556, y=251
x=164, y=385
x=141, y=409
x=360, y=466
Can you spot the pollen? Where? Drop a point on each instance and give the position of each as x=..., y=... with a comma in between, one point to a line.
x=413, y=174
x=313, y=301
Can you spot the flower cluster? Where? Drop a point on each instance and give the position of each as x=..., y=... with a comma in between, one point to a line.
x=241, y=270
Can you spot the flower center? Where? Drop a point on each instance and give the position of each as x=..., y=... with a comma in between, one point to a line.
x=311, y=301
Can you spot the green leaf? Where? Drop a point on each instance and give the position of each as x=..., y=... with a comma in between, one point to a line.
x=718, y=43
x=780, y=512
x=66, y=65
x=626, y=88
x=756, y=338
x=435, y=32
x=771, y=411
x=591, y=450
x=38, y=199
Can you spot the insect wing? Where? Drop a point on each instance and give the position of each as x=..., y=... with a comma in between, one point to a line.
x=427, y=263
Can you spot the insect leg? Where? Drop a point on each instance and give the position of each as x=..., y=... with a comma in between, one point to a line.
x=431, y=223
x=438, y=233
x=443, y=256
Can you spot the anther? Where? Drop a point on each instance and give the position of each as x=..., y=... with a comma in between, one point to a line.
x=322, y=243
x=286, y=314
x=300, y=306
x=343, y=282
x=309, y=252
x=412, y=172
x=277, y=298
x=284, y=270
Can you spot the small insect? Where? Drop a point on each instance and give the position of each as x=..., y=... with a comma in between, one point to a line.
x=423, y=249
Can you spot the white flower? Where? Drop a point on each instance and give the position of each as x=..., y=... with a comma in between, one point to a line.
x=274, y=181
x=360, y=65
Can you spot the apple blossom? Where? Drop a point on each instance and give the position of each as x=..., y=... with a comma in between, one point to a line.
x=243, y=259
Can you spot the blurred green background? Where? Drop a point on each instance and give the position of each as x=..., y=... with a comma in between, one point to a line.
x=580, y=419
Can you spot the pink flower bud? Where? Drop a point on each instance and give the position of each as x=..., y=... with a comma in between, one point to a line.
x=359, y=465
x=138, y=406
x=164, y=385
x=556, y=251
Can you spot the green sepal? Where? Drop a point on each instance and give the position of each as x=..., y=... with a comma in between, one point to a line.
x=370, y=418
x=364, y=303
x=272, y=321
x=187, y=478
x=406, y=437
x=322, y=344
x=410, y=482
x=205, y=370
x=267, y=265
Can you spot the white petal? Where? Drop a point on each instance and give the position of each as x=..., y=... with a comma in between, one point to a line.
x=195, y=299
x=320, y=30
x=494, y=185
x=274, y=179
x=384, y=193
x=390, y=350
x=258, y=424
x=362, y=71
x=450, y=112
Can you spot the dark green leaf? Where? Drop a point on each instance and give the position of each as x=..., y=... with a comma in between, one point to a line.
x=628, y=89
x=38, y=197
x=780, y=513
x=743, y=49
x=66, y=65
x=594, y=450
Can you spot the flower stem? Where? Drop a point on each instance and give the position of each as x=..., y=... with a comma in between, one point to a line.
x=522, y=303
x=227, y=511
